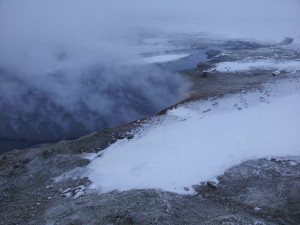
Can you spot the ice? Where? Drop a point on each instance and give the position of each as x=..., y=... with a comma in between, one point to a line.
x=164, y=58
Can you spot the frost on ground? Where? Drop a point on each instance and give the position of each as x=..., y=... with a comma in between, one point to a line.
x=258, y=64
x=198, y=141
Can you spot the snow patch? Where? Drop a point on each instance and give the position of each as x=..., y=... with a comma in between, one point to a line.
x=165, y=58
x=187, y=146
x=258, y=64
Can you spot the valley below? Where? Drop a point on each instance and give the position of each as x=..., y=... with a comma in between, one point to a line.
x=225, y=152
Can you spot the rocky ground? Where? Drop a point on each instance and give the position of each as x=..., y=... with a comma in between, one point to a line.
x=264, y=191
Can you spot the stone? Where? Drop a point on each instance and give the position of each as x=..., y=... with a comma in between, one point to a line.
x=286, y=41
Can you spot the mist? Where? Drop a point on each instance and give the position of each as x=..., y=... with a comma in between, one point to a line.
x=66, y=65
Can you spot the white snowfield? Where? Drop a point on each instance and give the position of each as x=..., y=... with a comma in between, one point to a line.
x=164, y=58
x=258, y=64
x=198, y=141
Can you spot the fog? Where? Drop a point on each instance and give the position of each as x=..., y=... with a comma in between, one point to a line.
x=64, y=67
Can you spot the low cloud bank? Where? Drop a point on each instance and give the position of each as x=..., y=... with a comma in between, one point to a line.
x=60, y=104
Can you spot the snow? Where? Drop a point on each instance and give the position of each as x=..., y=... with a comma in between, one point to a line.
x=75, y=192
x=258, y=64
x=186, y=146
x=165, y=58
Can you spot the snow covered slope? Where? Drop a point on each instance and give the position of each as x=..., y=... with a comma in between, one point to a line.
x=258, y=64
x=198, y=141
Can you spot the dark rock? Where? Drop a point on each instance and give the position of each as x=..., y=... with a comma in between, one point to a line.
x=206, y=111
x=134, y=219
x=204, y=66
x=212, y=53
x=287, y=41
x=244, y=45
x=204, y=74
x=130, y=136
x=212, y=185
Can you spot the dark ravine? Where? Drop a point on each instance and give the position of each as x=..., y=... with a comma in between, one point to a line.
x=98, y=97
x=264, y=191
